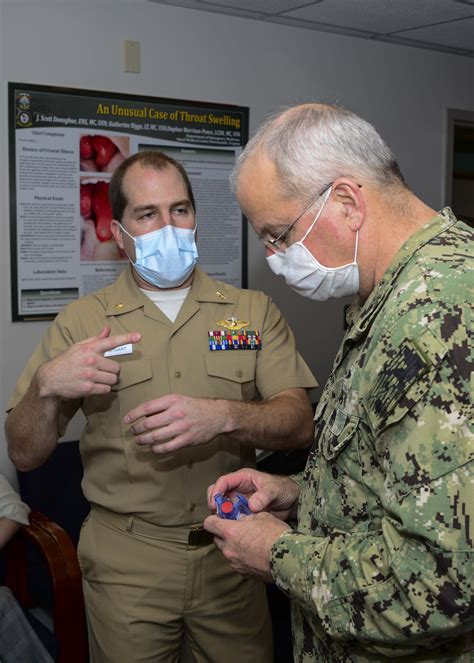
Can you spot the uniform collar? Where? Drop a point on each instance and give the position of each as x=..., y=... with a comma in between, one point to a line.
x=126, y=296
x=362, y=313
x=205, y=289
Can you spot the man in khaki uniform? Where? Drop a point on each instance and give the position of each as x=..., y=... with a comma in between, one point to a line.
x=170, y=405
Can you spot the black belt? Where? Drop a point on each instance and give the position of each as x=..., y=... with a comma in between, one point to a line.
x=195, y=535
x=198, y=536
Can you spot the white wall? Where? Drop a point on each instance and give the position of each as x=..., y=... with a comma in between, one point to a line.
x=188, y=54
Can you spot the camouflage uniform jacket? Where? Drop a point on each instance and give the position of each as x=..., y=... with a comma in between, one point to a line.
x=380, y=564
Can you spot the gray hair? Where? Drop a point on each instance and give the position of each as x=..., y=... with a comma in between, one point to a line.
x=313, y=144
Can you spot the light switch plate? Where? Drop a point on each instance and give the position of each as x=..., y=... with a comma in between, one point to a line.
x=131, y=56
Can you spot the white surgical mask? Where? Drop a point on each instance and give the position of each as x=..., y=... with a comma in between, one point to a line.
x=306, y=276
x=166, y=257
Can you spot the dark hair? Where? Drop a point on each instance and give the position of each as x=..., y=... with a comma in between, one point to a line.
x=147, y=158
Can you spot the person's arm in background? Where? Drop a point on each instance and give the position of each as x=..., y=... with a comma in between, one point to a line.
x=8, y=529
x=13, y=512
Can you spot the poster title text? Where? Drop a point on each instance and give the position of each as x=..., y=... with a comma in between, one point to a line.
x=148, y=112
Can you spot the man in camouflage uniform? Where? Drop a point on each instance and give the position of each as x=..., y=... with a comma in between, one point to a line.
x=379, y=562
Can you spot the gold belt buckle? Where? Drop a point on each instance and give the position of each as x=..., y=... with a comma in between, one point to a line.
x=198, y=536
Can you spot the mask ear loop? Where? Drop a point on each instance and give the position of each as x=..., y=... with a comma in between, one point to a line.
x=356, y=247
x=126, y=232
x=133, y=240
x=328, y=193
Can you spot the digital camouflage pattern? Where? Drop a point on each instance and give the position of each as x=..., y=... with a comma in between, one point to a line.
x=380, y=564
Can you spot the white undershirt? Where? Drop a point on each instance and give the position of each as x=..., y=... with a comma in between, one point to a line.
x=168, y=301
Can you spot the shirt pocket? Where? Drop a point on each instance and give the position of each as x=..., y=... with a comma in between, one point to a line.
x=341, y=500
x=133, y=388
x=231, y=375
x=336, y=418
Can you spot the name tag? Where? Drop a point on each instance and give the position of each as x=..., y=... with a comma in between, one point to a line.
x=126, y=349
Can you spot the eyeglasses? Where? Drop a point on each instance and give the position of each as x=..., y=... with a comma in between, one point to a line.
x=275, y=244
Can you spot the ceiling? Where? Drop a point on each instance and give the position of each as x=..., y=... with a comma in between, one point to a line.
x=438, y=25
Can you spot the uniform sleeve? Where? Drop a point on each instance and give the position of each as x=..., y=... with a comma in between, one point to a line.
x=57, y=339
x=11, y=506
x=298, y=478
x=407, y=585
x=279, y=365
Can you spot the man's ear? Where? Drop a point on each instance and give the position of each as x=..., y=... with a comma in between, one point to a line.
x=351, y=200
x=117, y=233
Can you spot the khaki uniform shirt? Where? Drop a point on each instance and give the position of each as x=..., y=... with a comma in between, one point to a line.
x=171, y=358
x=381, y=563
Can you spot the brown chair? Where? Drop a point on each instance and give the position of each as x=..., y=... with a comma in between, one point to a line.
x=59, y=556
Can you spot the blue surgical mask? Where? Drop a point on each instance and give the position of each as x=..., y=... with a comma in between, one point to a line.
x=166, y=257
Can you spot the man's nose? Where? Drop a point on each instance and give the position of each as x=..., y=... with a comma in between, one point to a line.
x=165, y=219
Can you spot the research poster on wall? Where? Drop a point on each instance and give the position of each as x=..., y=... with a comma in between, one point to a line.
x=65, y=144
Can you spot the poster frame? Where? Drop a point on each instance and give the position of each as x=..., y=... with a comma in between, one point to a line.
x=13, y=87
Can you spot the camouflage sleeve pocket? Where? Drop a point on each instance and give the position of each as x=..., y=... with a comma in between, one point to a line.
x=340, y=431
x=403, y=380
x=337, y=426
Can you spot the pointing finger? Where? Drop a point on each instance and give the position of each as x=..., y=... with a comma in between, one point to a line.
x=104, y=333
x=111, y=342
